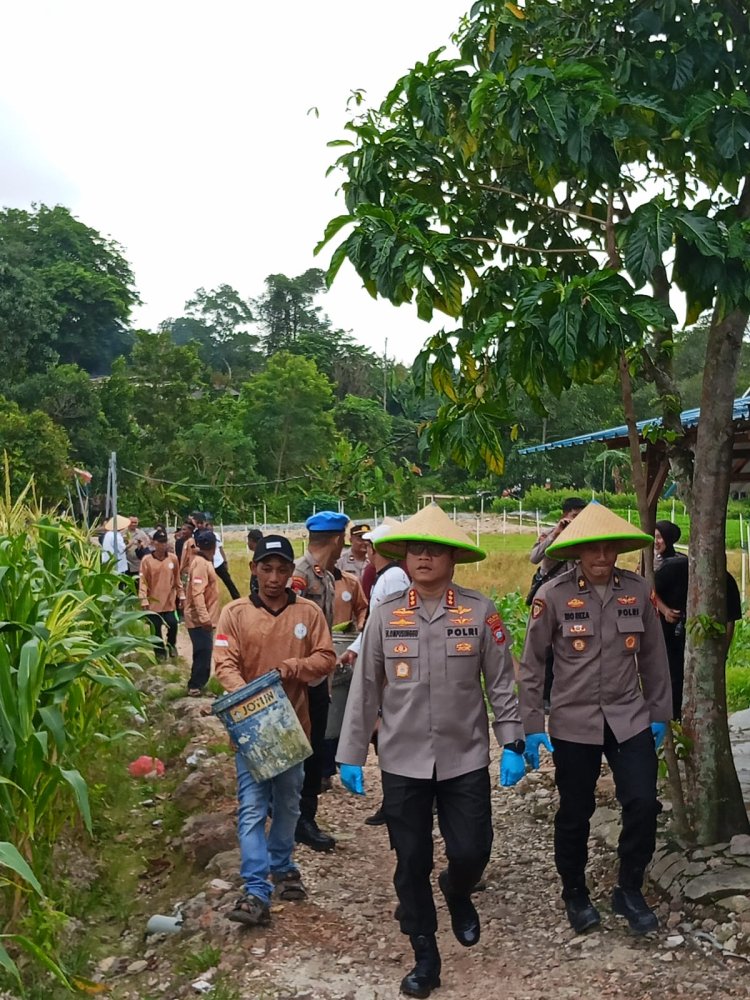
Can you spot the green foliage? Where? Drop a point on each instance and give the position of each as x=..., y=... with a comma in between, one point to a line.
x=66, y=626
x=201, y=960
x=288, y=408
x=513, y=190
x=76, y=292
x=738, y=668
x=35, y=447
x=515, y=614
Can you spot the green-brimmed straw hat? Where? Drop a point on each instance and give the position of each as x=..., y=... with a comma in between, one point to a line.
x=430, y=524
x=597, y=524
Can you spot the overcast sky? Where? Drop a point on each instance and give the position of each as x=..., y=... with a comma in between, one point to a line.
x=182, y=131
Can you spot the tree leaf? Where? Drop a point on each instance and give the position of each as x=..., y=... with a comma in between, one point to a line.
x=81, y=793
x=704, y=233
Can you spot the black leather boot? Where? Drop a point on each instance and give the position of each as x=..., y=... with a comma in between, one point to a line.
x=629, y=903
x=582, y=913
x=464, y=917
x=425, y=976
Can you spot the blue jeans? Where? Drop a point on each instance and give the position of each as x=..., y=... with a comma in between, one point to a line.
x=261, y=855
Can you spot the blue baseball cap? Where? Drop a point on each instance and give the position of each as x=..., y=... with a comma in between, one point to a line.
x=327, y=520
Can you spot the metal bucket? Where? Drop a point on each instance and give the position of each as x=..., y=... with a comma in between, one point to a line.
x=340, y=682
x=263, y=726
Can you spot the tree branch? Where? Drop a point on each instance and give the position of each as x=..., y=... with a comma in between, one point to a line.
x=550, y=208
x=518, y=246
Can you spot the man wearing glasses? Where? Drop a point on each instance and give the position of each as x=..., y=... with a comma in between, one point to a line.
x=425, y=652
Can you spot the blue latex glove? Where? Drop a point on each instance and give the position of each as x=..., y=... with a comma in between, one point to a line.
x=659, y=729
x=531, y=753
x=352, y=778
x=512, y=768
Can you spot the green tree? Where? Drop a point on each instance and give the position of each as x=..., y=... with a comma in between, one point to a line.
x=36, y=447
x=222, y=323
x=364, y=421
x=88, y=288
x=287, y=309
x=28, y=317
x=68, y=396
x=287, y=409
x=550, y=189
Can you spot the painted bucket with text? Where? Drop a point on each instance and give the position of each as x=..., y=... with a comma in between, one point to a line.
x=341, y=680
x=263, y=726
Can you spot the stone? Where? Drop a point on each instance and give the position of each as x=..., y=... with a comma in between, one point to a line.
x=225, y=864
x=675, y=940
x=740, y=720
x=735, y=904
x=137, y=967
x=717, y=885
x=660, y=866
x=740, y=844
x=208, y=834
x=210, y=782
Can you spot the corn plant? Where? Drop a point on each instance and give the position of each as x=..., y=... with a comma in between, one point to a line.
x=65, y=623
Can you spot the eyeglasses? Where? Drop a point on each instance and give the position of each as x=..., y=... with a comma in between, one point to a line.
x=426, y=548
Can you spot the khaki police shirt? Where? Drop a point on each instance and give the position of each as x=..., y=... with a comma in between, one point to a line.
x=426, y=673
x=348, y=563
x=310, y=580
x=610, y=659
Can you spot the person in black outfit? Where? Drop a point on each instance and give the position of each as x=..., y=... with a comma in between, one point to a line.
x=671, y=587
x=254, y=535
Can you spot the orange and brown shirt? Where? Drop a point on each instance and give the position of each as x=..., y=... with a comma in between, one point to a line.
x=201, y=594
x=252, y=639
x=160, y=586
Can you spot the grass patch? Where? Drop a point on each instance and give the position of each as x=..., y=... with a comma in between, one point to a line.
x=202, y=960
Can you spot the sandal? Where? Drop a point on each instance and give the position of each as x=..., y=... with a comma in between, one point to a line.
x=194, y=692
x=288, y=886
x=251, y=911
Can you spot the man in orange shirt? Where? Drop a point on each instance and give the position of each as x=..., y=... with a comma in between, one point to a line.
x=271, y=630
x=160, y=591
x=201, y=609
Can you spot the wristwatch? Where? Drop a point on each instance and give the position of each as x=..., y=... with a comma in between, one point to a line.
x=517, y=746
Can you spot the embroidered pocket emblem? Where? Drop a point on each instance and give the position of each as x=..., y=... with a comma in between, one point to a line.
x=403, y=670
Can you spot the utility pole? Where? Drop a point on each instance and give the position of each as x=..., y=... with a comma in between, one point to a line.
x=385, y=375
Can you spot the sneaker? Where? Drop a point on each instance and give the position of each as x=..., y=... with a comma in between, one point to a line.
x=377, y=818
x=251, y=911
x=629, y=903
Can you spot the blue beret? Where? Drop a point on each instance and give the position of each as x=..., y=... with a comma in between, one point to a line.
x=327, y=520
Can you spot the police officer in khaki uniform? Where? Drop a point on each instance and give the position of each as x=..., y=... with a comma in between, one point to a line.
x=424, y=654
x=313, y=579
x=354, y=559
x=611, y=695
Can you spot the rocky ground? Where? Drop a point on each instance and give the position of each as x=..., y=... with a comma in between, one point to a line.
x=343, y=943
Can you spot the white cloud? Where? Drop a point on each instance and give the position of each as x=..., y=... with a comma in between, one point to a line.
x=181, y=130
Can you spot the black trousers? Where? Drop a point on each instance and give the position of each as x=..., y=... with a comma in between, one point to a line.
x=223, y=574
x=318, y=701
x=203, y=645
x=465, y=821
x=158, y=621
x=577, y=768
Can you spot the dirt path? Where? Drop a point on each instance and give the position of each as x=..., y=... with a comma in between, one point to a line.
x=343, y=944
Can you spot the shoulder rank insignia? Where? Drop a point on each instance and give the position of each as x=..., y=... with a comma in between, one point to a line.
x=450, y=598
x=412, y=598
x=581, y=583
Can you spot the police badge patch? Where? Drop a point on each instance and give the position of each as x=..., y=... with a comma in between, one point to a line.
x=537, y=608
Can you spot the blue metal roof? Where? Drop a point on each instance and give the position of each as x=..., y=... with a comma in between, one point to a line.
x=688, y=418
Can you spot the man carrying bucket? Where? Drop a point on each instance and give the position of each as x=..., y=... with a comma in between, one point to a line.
x=425, y=652
x=271, y=630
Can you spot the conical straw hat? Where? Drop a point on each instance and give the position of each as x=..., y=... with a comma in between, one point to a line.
x=430, y=524
x=597, y=524
x=122, y=523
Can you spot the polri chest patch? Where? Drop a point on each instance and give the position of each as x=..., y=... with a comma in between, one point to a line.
x=300, y=630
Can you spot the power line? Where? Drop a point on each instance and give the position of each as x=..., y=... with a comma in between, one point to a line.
x=212, y=486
